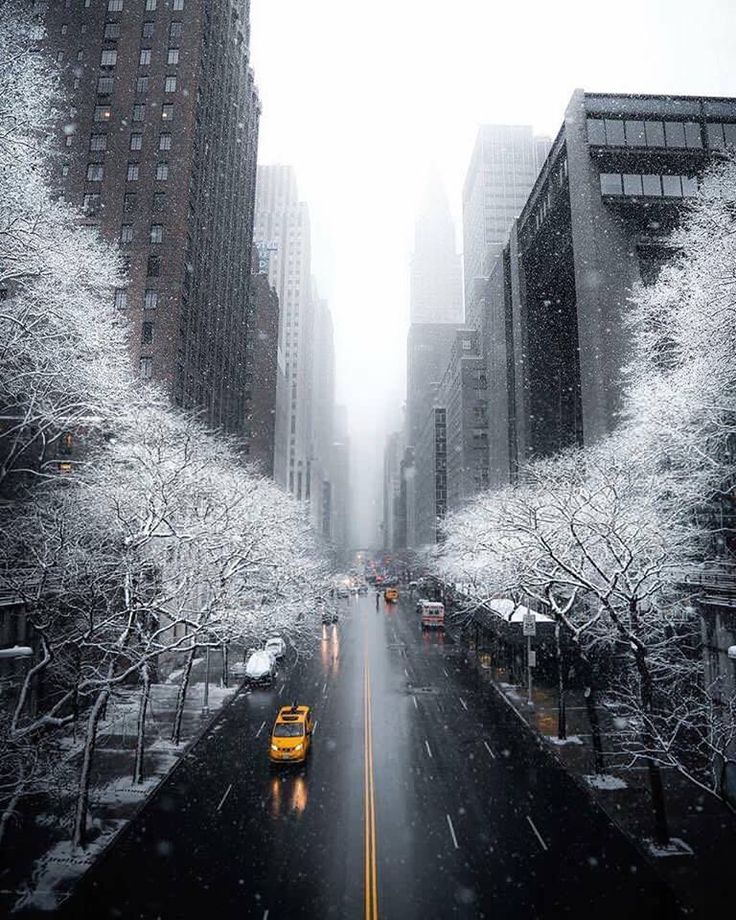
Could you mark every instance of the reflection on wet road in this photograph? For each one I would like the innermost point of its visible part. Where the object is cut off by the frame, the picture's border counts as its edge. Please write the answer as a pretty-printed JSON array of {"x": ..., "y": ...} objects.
[{"x": 422, "y": 798}]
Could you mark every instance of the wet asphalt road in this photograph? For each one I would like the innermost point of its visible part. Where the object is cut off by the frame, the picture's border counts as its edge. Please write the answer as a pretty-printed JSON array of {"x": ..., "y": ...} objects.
[{"x": 471, "y": 820}]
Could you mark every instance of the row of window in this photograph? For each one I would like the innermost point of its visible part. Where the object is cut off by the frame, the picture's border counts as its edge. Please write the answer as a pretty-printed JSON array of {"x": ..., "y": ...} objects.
[
  {"x": 112, "y": 30},
  {"x": 116, "y": 6},
  {"x": 648, "y": 186},
  {"x": 150, "y": 299},
  {"x": 109, "y": 56},
  {"x": 106, "y": 85},
  {"x": 617, "y": 132}
]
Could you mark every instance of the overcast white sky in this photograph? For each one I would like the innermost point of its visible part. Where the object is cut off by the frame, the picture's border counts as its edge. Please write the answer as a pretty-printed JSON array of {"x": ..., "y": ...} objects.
[{"x": 363, "y": 98}]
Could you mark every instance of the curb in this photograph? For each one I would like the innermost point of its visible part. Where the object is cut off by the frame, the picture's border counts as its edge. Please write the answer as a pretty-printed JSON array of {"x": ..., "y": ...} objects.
[{"x": 66, "y": 897}]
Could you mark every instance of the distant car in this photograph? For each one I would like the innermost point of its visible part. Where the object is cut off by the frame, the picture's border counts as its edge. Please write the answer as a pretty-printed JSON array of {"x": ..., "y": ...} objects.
[
  {"x": 391, "y": 595},
  {"x": 261, "y": 667},
  {"x": 433, "y": 615},
  {"x": 329, "y": 617},
  {"x": 413, "y": 585},
  {"x": 343, "y": 592},
  {"x": 362, "y": 589},
  {"x": 275, "y": 646}
]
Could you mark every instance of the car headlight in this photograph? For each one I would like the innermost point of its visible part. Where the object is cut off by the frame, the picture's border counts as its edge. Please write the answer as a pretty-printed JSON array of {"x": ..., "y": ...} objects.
[
  {"x": 274, "y": 747},
  {"x": 298, "y": 747}
]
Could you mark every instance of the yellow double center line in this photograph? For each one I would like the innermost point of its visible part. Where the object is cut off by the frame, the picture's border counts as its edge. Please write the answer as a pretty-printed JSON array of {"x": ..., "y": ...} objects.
[{"x": 369, "y": 812}]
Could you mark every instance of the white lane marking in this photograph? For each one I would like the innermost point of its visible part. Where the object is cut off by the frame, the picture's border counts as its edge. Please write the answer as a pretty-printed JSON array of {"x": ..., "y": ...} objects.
[
  {"x": 414, "y": 700},
  {"x": 324, "y": 688},
  {"x": 429, "y": 749},
  {"x": 406, "y": 672},
  {"x": 314, "y": 727},
  {"x": 452, "y": 832},
  {"x": 227, "y": 793},
  {"x": 445, "y": 672},
  {"x": 263, "y": 725},
  {"x": 265, "y": 914},
  {"x": 536, "y": 832},
  {"x": 489, "y": 750},
  {"x": 463, "y": 703},
  {"x": 281, "y": 689}
]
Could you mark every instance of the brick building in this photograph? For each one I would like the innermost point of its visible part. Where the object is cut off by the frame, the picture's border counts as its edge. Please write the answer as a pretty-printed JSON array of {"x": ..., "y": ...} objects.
[{"x": 158, "y": 146}]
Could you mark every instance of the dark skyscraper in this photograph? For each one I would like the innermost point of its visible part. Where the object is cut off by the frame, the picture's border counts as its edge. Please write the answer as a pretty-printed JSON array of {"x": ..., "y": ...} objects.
[{"x": 159, "y": 142}]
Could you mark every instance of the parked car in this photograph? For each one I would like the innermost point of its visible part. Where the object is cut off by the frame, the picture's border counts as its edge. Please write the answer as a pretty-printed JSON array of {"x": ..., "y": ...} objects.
[
  {"x": 261, "y": 667},
  {"x": 275, "y": 646}
]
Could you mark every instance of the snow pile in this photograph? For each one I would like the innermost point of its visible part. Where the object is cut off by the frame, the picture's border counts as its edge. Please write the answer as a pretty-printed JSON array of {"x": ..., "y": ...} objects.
[{"x": 605, "y": 781}]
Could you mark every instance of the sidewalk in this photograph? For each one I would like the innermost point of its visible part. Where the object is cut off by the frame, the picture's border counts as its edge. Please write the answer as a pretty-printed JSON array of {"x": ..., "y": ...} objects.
[
  {"x": 704, "y": 831},
  {"x": 40, "y": 867}
]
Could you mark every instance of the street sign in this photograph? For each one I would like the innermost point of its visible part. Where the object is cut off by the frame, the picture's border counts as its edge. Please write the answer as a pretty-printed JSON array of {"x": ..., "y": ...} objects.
[
  {"x": 529, "y": 624},
  {"x": 532, "y": 658}
]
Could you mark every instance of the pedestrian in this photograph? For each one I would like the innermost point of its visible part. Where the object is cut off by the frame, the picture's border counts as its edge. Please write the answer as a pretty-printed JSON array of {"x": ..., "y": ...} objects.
[{"x": 378, "y": 595}]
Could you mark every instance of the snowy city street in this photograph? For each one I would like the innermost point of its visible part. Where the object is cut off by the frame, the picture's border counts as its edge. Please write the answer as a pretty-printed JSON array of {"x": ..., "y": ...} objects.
[
  {"x": 469, "y": 814},
  {"x": 367, "y": 460}
]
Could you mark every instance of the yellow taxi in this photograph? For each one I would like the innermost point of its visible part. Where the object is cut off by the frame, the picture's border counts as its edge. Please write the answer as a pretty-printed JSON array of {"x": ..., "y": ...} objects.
[
  {"x": 291, "y": 737},
  {"x": 391, "y": 595}
]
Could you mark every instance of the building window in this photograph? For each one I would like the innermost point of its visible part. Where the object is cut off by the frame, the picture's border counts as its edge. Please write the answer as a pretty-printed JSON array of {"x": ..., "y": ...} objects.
[
  {"x": 157, "y": 233},
  {"x": 126, "y": 233},
  {"x": 133, "y": 172},
  {"x": 129, "y": 201},
  {"x": 145, "y": 57},
  {"x": 164, "y": 142},
  {"x": 95, "y": 172},
  {"x": 177, "y": 6},
  {"x": 68, "y": 140},
  {"x": 64, "y": 29},
  {"x": 652, "y": 186},
  {"x": 65, "y": 170},
  {"x": 611, "y": 184},
  {"x": 102, "y": 113},
  {"x": 674, "y": 134},
  {"x": 170, "y": 85},
  {"x": 159, "y": 199},
  {"x": 98, "y": 142},
  {"x": 167, "y": 111},
  {"x": 635, "y": 134},
  {"x": 150, "y": 5},
  {"x": 91, "y": 204},
  {"x": 105, "y": 85},
  {"x": 113, "y": 6},
  {"x": 173, "y": 56},
  {"x": 108, "y": 58},
  {"x": 154, "y": 266},
  {"x": 136, "y": 141},
  {"x": 112, "y": 30},
  {"x": 596, "y": 131},
  {"x": 121, "y": 298},
  {"x": 147, "y": 334},
  {"x": 151, "y": 300},
  {"x": 147, "y": 30},
  {"x": 175, "y": 30},
  {"x": 655, "y": 133},
  {"x": 632, "y": 184},
  {"x": 145, "y": 367},
  {"x": 162, "y": 171},
  {"x": 615, "y": 132},
  {"x": 141, "y": 85},
  {"x": 671, "y": 187}
]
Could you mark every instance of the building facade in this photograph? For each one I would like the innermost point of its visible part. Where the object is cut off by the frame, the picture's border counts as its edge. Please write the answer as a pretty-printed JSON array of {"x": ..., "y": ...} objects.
[
  {"x": 435, "y": 275},
  {"x": 262, "y": 375},
  {"x": 503, "y": 166},
  {"x": 158, "y": 146},
  {"x": 282, "y": 229},
  {"x": 596, "y": 223}
]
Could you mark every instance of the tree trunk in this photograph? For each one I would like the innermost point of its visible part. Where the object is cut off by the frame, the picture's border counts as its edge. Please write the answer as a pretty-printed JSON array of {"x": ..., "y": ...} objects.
[
  {"x": 561, "y": 702},
  {"x": 225, "y": 663},
  {"x": 656, "y": 788},
  {"x": 140, "y": 744},
  {"x": 93, "y": 720},
  {"x": 182, "y": 696},
  {"x": 9, "y": 809}
]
